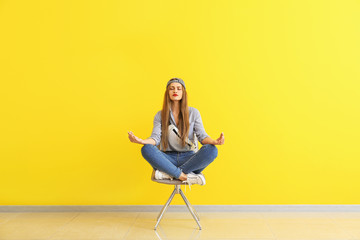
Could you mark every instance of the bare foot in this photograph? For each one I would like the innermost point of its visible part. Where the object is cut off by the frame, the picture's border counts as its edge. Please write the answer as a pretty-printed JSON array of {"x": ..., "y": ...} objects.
[{"x": 183, "y": 176}]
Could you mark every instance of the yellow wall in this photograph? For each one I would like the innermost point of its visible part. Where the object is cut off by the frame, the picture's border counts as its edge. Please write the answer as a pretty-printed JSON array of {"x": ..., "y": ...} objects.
[{"x": 279, "y": 78}]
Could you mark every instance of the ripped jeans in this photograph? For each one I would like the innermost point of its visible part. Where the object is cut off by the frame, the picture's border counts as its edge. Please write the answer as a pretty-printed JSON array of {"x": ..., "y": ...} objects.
[{"x": 173, "y": 162}]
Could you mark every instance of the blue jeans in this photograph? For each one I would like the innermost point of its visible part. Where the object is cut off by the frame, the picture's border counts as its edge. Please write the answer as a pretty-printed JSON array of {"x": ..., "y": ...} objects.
[{"x": 173, "y": 163}]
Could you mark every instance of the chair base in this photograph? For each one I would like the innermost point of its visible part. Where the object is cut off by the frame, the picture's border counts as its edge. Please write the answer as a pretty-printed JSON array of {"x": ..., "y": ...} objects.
[{"x": 178, "y": 190}]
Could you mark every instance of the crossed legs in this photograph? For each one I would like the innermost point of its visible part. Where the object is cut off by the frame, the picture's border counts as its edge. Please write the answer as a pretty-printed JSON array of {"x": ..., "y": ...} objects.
[{"x": 163, "y": 162}]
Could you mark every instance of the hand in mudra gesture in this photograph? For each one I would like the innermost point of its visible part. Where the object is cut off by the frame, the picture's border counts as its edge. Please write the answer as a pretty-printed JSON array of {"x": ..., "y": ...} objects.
[
  {"x": 134, "y": 138},
  {"x": 220, "y": 140}
]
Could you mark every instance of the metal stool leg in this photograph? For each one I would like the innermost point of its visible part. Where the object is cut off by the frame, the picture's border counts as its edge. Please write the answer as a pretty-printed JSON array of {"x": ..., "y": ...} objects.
[
  {"x": 161, "y": 214},
  {"x": 178, "y": 190},
  {"x": 190, "y": 209},
  {"x": 193, "y": 209}
]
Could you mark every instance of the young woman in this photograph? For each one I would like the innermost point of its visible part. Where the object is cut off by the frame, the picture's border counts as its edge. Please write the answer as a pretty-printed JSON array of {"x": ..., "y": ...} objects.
[{"x": 177, "y": 128}]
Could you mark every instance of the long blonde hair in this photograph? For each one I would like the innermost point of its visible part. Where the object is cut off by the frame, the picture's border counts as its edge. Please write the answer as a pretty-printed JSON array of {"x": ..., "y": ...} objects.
[{"x": 183, "y": 125}]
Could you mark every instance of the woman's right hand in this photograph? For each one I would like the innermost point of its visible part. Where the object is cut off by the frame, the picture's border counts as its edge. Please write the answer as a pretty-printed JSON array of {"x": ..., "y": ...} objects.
[{"x": 134, "y": 138}]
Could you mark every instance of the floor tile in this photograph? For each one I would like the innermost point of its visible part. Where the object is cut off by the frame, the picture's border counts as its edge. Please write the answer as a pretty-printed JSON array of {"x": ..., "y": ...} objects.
[
  {"x": 179, "y": 225},
  {"x": 97, "y": 225},
  {"x": 38, "y": 225}
]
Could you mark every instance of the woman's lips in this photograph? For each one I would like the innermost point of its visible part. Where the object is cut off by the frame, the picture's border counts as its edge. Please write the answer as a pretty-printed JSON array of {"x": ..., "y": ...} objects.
[{"x": 175, "y": 95}]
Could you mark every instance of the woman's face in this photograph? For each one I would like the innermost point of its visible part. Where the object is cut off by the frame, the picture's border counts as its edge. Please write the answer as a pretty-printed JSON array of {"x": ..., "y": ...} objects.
[{"x": 175, "y": 91}]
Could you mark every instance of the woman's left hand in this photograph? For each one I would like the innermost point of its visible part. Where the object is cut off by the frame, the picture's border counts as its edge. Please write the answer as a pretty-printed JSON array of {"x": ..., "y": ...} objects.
[{"x": 220, "y": 140}]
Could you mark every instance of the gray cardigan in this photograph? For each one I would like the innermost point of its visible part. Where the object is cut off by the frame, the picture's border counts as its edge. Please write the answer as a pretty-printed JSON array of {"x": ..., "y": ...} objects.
[{"x": 196, "y": 131}]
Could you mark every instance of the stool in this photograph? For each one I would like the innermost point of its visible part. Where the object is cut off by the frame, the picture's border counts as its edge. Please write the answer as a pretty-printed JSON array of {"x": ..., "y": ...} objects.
[{"x": 177, "y": 183}]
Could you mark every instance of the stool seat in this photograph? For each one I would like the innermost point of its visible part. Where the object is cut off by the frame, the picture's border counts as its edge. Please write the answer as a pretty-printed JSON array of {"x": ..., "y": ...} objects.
[
  {"x": 166, "y": 181},
  {"x": 177, "y": 183}
]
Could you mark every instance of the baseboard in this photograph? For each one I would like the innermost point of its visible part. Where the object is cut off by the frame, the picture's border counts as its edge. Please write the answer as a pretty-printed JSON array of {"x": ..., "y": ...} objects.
[{"x": 181, "y": 208}]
